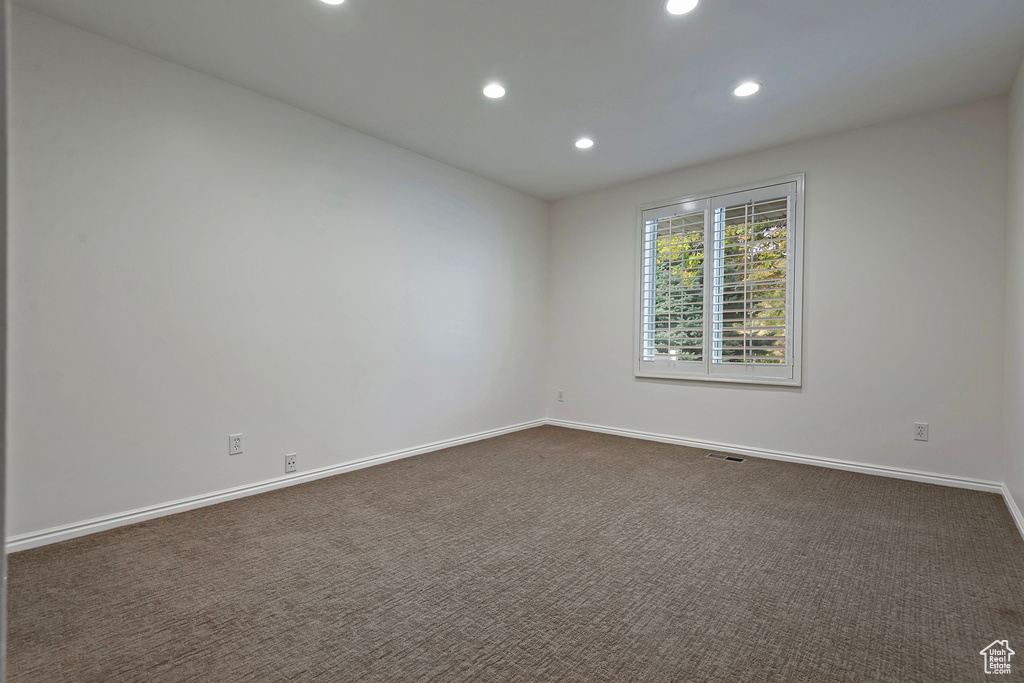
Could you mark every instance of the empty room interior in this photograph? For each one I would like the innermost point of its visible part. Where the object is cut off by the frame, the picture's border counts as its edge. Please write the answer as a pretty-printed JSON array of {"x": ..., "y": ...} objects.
[{"x": 555, "y": 340}]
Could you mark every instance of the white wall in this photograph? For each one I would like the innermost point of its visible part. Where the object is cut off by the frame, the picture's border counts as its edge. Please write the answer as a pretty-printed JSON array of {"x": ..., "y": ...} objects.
[
  {"x": 1014, "y": 474},
  {"x": 4, "y": 12},
  {"x": 903, "y": 301},
  {"x": 191, "y": 259}
]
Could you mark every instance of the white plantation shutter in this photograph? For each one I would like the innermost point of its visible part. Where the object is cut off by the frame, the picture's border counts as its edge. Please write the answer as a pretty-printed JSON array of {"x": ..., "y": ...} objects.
[
  {"x": 673, "y": 296},
  {"x": 720, "y": 287}
]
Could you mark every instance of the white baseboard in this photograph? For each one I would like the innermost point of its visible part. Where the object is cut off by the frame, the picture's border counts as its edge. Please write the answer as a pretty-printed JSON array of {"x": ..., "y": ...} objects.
[
  {"x": 1015, "y": 512},
  {"x": 880, "y": 470},
  {"x": 64, "y": 532}
]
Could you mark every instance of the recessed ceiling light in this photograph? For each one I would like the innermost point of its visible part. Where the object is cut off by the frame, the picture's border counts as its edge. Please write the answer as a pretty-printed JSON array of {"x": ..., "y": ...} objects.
[
  {"x": 332, "y": 2},
  {"x": 584, "y": 143},
  {"x": 494, "y": 91},
  {"x": 746, "y": 89},
  {"x": 680, "y": 6}
]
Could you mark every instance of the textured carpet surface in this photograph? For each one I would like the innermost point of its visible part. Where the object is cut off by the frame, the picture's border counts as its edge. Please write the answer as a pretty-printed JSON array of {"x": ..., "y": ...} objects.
[{"x": 544, "y": 555}]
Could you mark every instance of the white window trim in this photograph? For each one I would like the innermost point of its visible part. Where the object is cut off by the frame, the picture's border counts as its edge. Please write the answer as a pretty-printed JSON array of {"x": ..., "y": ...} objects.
[{"x": 700, "y": 370}]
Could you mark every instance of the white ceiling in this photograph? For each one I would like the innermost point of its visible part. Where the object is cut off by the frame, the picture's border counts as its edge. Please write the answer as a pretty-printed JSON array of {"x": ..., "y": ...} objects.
[{"x": 652, "y": 89}]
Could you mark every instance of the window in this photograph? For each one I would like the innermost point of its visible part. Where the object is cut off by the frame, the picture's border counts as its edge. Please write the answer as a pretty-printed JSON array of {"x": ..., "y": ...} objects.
[{"x": 719, "y": 286}]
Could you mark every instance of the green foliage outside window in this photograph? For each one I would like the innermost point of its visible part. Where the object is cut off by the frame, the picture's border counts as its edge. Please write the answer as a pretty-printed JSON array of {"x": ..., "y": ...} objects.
[{"x": 749, "y": 284}]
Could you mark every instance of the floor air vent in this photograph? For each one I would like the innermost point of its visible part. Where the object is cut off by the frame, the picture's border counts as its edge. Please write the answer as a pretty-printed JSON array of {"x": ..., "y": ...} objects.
[{"x": 730, "y": 458}]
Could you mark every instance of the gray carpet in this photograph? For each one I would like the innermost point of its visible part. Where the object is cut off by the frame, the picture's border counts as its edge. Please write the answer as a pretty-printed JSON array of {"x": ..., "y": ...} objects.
[{"x": 544, "y": 555}]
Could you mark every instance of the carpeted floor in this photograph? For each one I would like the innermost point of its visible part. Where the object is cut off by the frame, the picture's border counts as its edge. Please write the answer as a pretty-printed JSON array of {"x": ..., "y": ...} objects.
[{"x": 544, "y": 555}]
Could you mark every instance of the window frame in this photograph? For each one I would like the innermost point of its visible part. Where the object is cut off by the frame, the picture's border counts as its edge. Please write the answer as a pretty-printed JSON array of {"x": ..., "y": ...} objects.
[{"x": 702, "y": 370}]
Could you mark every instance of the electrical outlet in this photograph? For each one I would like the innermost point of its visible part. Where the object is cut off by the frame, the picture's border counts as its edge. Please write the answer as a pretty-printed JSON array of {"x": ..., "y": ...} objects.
[
  {"x": 920, "y": 431},
  {"x": 561, "y": 396},
  {"x": 234, "y": 444},
  {"x": 289, "y": 463}
]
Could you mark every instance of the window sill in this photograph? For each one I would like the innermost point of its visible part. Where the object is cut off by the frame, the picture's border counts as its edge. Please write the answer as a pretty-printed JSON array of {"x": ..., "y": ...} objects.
[{"x": 734, "y": 379}]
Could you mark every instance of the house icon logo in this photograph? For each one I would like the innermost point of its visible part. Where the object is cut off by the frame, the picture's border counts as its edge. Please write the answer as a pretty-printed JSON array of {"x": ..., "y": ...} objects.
[{"x": 997, "y": 657}]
